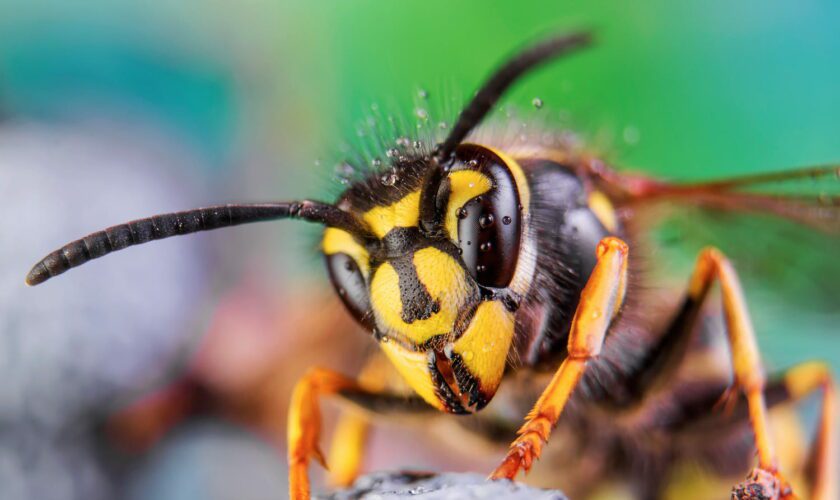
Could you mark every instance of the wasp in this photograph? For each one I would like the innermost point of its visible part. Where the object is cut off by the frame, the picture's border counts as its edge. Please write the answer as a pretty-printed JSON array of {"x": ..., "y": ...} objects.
[{"x": 490, "y": 272}]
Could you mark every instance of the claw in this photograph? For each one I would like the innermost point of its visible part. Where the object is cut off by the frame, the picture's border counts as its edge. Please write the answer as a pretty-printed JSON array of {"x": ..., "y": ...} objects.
[
  {"x": 318, "y": 455},
  {"x": 520, "y": 456}
]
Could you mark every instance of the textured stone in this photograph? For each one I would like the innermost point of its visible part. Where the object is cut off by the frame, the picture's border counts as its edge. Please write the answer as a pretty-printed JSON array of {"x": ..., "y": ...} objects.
[{"x": 429, "y": 486}]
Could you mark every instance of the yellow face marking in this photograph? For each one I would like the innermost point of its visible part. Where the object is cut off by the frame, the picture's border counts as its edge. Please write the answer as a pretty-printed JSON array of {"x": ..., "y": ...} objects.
[
  {"x": 445, "y": 282},
  {"x": 443, "y": 276},
  {"x": 414, "y": 368},
  {"x": 464, "y": 186},
  {"x": 339, "y": 241},
  {"x": 604, "y": 210},
  {"x": 484, "y": 345},
  {"x": 403, "y": 213}
]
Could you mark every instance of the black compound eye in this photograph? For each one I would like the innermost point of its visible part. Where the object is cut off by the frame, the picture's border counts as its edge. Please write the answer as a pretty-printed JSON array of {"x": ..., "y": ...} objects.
[
  {"x": 349, "y": 282},
  {"x": 489, "y": 226}
]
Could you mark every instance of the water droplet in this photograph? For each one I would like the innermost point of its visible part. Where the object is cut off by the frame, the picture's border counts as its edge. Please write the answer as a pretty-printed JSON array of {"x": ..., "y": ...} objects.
[
  {"x": 423, "y": 94},
  {"x": 421, "y": 113},
  {"x": 631, "y": 135},
  {"x": 376, "y": 162},
  {"x": 417, "y": 144},
  {"x": 506, "y": 220},
  {"x": 403, "y": 142},
  {"x": 392, "y": 152},
  {"x": 443, "y": 125},
  {"x": 344, "y": 169},
  {"x": 472, "y": 163},
  {"x": 486, "y": 221},
  {"x": 462, "y": 213},
  {"x": 480, "y": 269},
  {"x": 548, "y": 138},
  {"x": 537, "y": 102},
  {"x": 389, "y": 179},
  {"x": 385, "y": 339},
  {"x": 342, "y": 292},
  {"x": 486, "y": 246},
  {"x": 460, "y": 252}
]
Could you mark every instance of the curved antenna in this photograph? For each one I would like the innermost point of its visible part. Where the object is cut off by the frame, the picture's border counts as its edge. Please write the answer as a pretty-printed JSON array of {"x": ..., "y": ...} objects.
[
  {"x": 486, "y": 97},
  {"x": 140, "y": 231},
  {"x": 493, "y": 89}
]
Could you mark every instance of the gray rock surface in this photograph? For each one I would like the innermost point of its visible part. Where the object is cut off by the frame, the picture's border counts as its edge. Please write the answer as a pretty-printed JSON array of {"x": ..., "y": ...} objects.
[{"x": 430, "y": 486}]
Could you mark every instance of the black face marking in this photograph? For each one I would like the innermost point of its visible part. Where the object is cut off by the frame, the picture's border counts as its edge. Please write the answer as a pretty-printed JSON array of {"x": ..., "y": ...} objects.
[
  {"x": 417, "y": 304},
  {"x": 400, "y": 241},
  {"x": 489, "y": 226},
  {"x": 398, "y": 248}
]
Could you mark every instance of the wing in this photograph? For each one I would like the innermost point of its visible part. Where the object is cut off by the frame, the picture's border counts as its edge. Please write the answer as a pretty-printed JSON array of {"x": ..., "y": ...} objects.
[
  {"x": 782, "y": 230},
  {"x": 809, "y": 196}
]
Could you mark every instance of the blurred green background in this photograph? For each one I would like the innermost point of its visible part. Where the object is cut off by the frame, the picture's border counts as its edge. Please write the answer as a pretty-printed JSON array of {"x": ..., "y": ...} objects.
[
  {"x": 684, "y": 90},
  {"x": 262, "y": 95}
]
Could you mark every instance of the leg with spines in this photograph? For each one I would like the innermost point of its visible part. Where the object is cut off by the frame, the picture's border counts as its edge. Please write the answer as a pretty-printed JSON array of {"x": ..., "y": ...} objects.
[{"x": 600, "y": 301}]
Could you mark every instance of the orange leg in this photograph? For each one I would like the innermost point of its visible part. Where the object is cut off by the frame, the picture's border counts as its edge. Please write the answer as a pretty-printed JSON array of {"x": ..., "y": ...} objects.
[
  {"x": 748, "y": 372},
  {"x": 304, "y": 426},
  {"x": 600, "y": 300}
]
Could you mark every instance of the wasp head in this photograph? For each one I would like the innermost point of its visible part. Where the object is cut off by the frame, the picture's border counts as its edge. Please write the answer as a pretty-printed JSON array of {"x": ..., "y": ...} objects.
[{"x": 440, "y": 278}]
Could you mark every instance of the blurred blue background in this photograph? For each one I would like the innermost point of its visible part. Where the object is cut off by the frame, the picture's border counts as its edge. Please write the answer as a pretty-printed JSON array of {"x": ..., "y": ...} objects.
[{"x": 116, "y": 110}]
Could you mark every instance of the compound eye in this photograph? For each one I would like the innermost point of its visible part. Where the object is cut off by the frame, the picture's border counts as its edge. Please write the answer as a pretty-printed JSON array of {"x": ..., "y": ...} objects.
[
  {"x": 349, "y": 282},
  {"x": 489, "y": 226}
]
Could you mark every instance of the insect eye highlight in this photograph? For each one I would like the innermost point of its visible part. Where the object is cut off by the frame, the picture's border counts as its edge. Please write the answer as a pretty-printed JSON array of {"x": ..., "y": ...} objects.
[
  {"x": 349, "y": 282},
  {"x": 489, "y": 225}
]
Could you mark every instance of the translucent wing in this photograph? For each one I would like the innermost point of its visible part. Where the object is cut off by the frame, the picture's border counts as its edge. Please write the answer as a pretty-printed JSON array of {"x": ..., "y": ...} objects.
[
  {"x": 782, "y": 230},
  {"x": 809, "y": 196}
]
